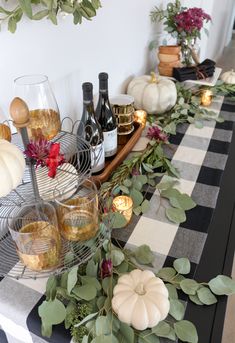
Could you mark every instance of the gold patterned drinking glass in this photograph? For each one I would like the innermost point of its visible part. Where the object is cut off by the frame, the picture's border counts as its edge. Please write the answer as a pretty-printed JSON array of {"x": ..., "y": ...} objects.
[
  {"x": 34, "y": 230},
  {"x": 77, "y": 211},
  {"x": 44, "y": 117}
]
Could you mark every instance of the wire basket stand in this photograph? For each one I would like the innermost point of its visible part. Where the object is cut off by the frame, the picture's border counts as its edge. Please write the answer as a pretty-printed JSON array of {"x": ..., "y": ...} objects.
[{"x": 36, "y": 185}]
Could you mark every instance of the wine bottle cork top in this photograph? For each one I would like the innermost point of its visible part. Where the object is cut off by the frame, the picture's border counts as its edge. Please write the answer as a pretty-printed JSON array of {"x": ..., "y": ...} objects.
[{"x": 19, "y": 112}]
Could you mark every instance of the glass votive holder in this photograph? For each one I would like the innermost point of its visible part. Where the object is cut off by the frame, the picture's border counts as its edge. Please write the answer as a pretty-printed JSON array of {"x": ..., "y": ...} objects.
[
  {"x": 124, "y": 205},
  {"x": 140, "y": 116},
  {"x": 34, "y": 230},
  {"x": 206, "y": 97},
  {"x": 77, "y": 211}
]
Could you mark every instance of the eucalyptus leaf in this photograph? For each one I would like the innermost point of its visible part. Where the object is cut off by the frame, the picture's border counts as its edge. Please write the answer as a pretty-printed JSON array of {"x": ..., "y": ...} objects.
[
  {"x": 102, "y": 326},
  {"x": 137, "y": 197},
  {"x": 106, "y": 285},
  {"x": 148, "y": 168},
  {"x": 143, "y": 254},
  {"x": 137, "y": 185},
  {"x": 172, "y": 169},
  {"x": 116, "y": 256},
  {"x": 186, "y": 331},
  {"x": 127, "y": 333},
  {"x": 71, "y": 308},
  {"x": 40, "y": 15},
  {"x": 127, "y": 183},
  {"x": 89, "y": 280},
  {"x": 100, "y": 301},
  {"x": 173, "y": 294},
  {"x": 147, "y": 337},
  {"x": 163, "y": 329},
  {"x": 52, "y": 283},
  {"x": 206, "y": 296},
  {"x": 52, "y": 312},
  {"x": 86, "y": 319},
  {"x": 145, "y": 206},
  {"x": 182, "y": 265},
  {"x": 92, "y": 268},
  {"x": 176, "y": 215},
  {"x": 122, "y": 268},
  {"x": 222, "y": 285},
  {"x": 12, "y": 24},
  {"x": 142, "y": 178},
  {"x": 72, "y": 278},
  {"x": 87, "y": 292},
  {"x": 26, "y": 7},
  {"x": 195, "y": 299},
  {"x": 177, "y": 309},
  {"x": 189, "y": 286},
  {"x": 182, "y": 201},
  {"x": 118, "y": 220},
  {"x": 166, "y": 273}
]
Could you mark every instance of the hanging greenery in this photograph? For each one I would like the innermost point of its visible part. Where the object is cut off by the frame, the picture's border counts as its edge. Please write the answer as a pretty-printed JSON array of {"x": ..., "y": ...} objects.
[{"x": 50, "y": 9}]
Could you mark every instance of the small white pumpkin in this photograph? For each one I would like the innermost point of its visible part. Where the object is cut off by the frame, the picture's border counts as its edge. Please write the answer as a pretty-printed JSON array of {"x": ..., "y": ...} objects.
[
  {"x": 228, "y": 77},
  {"x": 140, "y": 299},
  {"x": 12, "y": 166},
  {"x": 154, "y": 94}
]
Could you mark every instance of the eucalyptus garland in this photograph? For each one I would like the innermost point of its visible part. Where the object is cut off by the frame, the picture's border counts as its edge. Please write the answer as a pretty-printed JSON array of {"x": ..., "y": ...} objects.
[
  {"x": 50, "y": 9},
  {"x": 82, "y": 298}
]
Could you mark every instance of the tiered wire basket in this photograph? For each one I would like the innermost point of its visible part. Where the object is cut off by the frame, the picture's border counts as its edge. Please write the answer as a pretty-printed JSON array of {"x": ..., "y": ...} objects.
[{"x": 36, "y": 185}]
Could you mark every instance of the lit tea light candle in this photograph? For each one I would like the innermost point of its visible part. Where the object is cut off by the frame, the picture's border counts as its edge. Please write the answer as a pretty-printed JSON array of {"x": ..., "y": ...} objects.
[
  {"x": 140, "y": 116},
  {"x": 206, "y": 97},
  {"x": 124, "y": 205}
]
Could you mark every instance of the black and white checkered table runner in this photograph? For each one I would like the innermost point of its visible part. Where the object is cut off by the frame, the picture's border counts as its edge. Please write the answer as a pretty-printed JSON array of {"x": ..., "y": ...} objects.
[{"x": 200, "y": 156}]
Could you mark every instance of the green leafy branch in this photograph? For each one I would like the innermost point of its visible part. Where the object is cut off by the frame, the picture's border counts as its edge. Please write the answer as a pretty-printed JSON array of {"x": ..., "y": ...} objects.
[
  {"x": 82, "y": 300},
  {"x": 186, "y": 110},
  {"x": 49, "y": 9}
]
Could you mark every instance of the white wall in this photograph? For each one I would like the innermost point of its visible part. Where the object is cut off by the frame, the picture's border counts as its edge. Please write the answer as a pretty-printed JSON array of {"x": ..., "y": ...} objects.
[{"x": 115, "y": 41}]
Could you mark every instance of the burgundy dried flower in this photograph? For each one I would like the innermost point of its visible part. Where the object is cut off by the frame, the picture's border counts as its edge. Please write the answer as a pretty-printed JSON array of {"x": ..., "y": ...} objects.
[
  {"x": 155, "y": 132},
  {"x": 38, "y": 150},
  {"x": 135, "y": 172},
  {"x": 191, "y": 20},
  {"x": 106, "y": 268}
]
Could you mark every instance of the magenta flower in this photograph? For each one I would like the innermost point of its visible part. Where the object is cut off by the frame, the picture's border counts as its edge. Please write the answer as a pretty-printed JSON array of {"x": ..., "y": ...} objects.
[
  {"x": 106, "y": 268},
  {"x": 191, "y": 20},
  {"x": 155, "y": 132},
  {"x": 38, "y": 150}
]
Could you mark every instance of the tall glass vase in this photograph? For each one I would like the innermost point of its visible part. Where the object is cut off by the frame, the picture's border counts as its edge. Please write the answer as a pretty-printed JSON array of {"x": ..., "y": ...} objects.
[
  {"x": 187, "y": 51},
  {"x": 44, "y": 114}
]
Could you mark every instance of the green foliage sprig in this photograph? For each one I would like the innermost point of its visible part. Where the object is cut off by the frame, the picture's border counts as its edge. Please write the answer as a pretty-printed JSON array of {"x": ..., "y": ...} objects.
[
  {"x": 82, "y": 299},
  {"x": 50, "y": 9},
  {"x": 187, "y": 110}
]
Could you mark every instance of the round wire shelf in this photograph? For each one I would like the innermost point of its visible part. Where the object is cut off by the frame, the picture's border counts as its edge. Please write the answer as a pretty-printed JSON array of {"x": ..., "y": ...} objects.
[
  {"x": 77, "y": 168},
  {"x": 71, "y": 253}
]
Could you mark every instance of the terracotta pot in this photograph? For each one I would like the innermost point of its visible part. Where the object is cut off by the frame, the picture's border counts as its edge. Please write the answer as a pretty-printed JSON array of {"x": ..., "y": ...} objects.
[
  {"x": 165, "y": 58},
  {"x": 169, "y": 49}
]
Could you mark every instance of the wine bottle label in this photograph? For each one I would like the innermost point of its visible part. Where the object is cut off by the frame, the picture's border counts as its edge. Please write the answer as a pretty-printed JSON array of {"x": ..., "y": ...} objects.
[
  {"x": 110, "y": 142},
  {"x": 97, "y": 158}
]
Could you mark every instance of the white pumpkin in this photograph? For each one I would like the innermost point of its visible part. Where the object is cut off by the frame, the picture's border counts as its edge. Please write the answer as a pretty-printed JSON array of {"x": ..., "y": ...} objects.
[
  {"x": 140, "y": 299},
  {"x": 228, "y": 77},
  {"x": 12, "y": 166},
  {"x": 153, "y": 94}
]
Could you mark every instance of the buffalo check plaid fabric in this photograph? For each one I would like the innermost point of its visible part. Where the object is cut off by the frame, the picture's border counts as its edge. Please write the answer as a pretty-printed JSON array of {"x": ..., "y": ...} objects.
[{"x": 200, "y": 155}]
